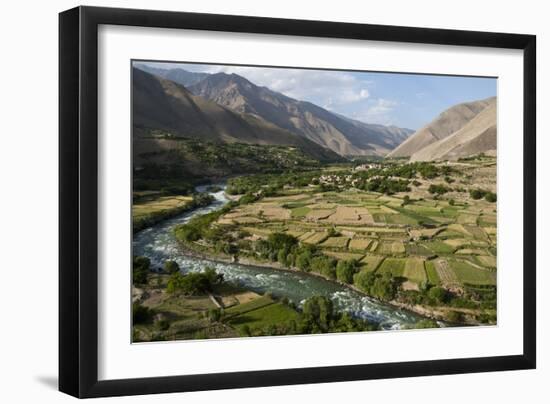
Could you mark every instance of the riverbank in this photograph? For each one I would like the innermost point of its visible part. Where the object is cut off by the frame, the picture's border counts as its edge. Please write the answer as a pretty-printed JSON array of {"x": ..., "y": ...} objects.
[{"x": 436, "y": 314}]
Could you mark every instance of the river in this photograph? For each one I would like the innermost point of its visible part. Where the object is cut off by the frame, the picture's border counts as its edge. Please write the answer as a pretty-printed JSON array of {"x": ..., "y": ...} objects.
[{"x": 159, "y": 244}]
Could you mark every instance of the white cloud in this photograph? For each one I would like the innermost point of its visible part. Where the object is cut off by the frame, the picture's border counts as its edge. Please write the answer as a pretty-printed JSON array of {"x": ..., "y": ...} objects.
[
  {"x": 378, "y": 111},
  {"x": 330, "y": 89}
]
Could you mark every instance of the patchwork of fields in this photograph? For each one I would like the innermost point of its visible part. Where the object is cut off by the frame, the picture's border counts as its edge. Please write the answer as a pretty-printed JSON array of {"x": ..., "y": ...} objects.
[{"x": 447, "y": 241}]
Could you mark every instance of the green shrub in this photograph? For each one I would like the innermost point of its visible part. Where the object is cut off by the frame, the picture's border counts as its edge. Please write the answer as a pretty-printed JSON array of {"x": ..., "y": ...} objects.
[
  {"x": 491, "y": 197},
  {"x": 171, "y": 267},
  {"x": 476, "y": 193},
  {"x": 438, "y": 294},
  {"x": 140, "y": 269}
]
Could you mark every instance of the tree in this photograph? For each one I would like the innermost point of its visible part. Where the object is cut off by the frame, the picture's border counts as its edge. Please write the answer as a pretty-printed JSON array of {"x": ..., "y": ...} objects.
[
  {"x": 345, "y": 270},
  {"x": 302, "y": 260},
  {"x": 438, "y": 294},
  {"x": 195, "y": 283},
  {"x": 384, "y": 287},
  {"x": 140, "y": 269},
  {"x": 491, "y": 197},
  {"x": 171, "y": 267},
  {"x": 364, "y": 280},
  {"x": 214, "y": 278},
  {"x": 323, "y": 265},
  {"x": 438, "y": 189},
  {"x": 280, "y": 241},
  {"x": 318, "y": 312},
  {"x": 282, "y": 257},
  {"x": 476, "y": 194}
]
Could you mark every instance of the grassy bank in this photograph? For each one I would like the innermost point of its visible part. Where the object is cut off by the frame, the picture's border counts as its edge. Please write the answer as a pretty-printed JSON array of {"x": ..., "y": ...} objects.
[{"x": 151, "y": 207}]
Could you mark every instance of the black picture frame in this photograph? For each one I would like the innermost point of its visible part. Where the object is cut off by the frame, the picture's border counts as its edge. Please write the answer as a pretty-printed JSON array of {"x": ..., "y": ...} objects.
[{"x": 78, "y": 201}]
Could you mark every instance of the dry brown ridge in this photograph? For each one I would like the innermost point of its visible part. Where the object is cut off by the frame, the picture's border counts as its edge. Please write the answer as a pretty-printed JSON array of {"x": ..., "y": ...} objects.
[{"x": 463, "y": 130}]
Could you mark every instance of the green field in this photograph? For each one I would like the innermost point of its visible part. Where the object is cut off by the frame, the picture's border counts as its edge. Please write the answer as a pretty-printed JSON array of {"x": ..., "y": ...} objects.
[
  {"x": 395, "y": 266},
  {"x": 414, "y": 270},
  {"x": 371, "y": 262},
  {"x": 468, "y": 274},
  {"x": 431, "y": 273},
  {"x": 274, "y": 314},
  {"x": 246, "y": 307}
]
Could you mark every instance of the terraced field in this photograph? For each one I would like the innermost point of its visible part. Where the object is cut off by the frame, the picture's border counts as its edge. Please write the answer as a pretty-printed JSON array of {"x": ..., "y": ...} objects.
[
  {"x": 448, "y": 241},
  {"x": 395, "y": 266},
  {"x": 156, "y": 205},
  {"x": 414, "y": 270},
  {"x": 150, "y": 207}
]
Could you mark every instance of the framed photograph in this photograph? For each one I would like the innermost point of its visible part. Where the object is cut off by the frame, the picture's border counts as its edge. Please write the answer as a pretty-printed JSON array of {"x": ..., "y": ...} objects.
[{"x": 251, "y": 202}]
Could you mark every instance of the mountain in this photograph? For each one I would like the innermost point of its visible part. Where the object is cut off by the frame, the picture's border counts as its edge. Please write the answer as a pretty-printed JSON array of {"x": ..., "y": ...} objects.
[
  {"x": 180, "y": 76},
  {"x": 476, "y": 136},
  {"x": 445, "y": 125},
  {"x": 163, "y": 105},
  {"x": 345, "y": 136}
]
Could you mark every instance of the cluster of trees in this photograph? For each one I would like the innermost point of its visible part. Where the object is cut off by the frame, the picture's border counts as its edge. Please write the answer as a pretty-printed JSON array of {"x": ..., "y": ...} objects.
[
  {"x": 479, "y": 156},
  {"x": 269, "y": 184},
  {"x": 382, "y": 180},
  {"x": 285, "y": 249},
  {"x": 381, "y": 286},
  {"x": 317, "y": 316},
  {"x": 384, "y": 185},
  {"x": 194, "y": 283},
  {"x": 438, "y": 189},
  {"x": 410, "y": 171},
  {"x": 480, "y": 193}
]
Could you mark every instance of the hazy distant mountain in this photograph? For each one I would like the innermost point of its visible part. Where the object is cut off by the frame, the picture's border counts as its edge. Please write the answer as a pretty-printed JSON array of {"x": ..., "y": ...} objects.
[
  {"x": 343, "y": 135},
  {"x": 476, "y": 136},
  {"x": 160, "y": 104},
  {"x": 180, "y": 76},
  {"x": 458, "y": 120}
]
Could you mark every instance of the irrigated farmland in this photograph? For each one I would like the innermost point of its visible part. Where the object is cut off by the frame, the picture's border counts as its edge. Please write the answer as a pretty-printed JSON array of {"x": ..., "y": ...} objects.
[{"x": 439, "y": 237}]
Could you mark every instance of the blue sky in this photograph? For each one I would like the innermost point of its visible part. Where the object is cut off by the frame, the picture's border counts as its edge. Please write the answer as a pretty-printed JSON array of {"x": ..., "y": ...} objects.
[{"x": 405, "y": 100}]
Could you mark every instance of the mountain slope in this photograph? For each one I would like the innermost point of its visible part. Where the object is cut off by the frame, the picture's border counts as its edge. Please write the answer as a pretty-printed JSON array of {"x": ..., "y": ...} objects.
[
  {"x": 180, "y": 76},
  {"x": 160, "y": 104},
  {"x": 447, "y": 123},
  {"x": 478, "y": 135},
  {"x": 343, "y": 135}
]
